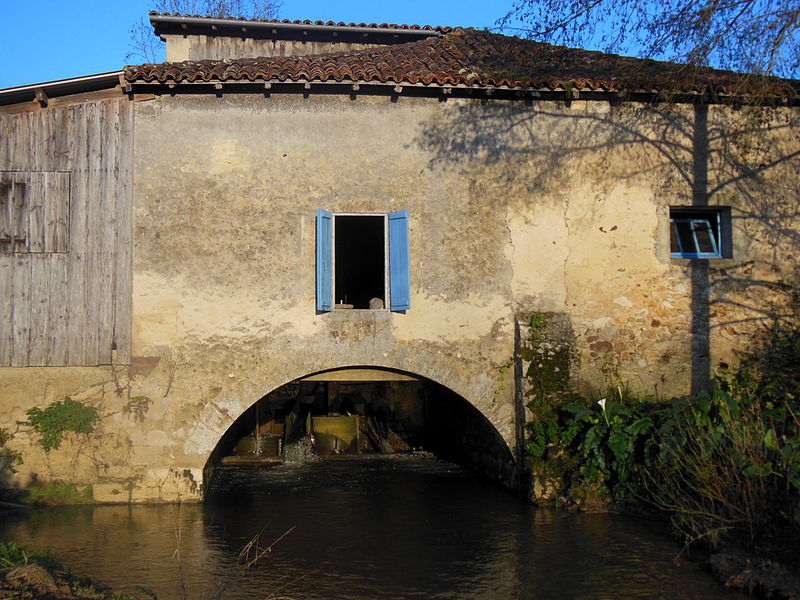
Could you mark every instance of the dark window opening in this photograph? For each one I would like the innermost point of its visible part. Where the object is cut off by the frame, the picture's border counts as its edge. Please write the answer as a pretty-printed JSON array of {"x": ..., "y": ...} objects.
[
  {"x": 700, "y": 233},
  {"x": 13, "y": 213},
  {"x": 359, "y": 259}
]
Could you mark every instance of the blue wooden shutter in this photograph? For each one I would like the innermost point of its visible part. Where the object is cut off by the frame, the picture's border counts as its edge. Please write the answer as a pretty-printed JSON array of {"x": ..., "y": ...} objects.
[
  {"x": 399, "y": 272},
  {"x": 324, "y": 260}
]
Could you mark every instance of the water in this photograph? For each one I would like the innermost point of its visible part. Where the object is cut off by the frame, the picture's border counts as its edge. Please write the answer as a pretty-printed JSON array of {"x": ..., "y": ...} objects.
[{"x": 368, "y": 529}]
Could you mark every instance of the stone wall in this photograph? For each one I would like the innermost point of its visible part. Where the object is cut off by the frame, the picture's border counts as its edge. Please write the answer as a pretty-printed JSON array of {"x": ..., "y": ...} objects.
[
  {"x": 203, "y": 47},
  {"x": 224, "y": 255},
  {"x": 555, "y": 208},
  {"x": 125, "y": 458}
]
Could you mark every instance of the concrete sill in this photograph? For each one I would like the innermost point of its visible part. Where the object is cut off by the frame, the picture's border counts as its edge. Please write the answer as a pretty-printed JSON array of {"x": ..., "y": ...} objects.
[{"x": 361, "y": 314}]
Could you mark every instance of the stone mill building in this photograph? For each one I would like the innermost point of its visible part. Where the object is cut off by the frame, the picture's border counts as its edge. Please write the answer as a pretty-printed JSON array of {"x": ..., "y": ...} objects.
[{"x": 288, "y": 221}]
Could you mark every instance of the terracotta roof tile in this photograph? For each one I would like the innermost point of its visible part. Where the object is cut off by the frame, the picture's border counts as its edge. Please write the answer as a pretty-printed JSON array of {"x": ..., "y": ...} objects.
[
  {"x": 314, "y": 23},
  {"x": 462, "y": 57}
]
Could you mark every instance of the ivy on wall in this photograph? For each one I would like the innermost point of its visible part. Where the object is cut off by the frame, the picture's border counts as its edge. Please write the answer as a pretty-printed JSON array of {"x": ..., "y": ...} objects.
[{"x": 60, "y": 417}]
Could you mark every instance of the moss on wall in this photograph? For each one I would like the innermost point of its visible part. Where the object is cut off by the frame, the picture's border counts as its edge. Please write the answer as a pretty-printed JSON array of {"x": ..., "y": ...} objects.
[
  {"x": 59, "y": 492},
  {"x": 550, "y": 359}
]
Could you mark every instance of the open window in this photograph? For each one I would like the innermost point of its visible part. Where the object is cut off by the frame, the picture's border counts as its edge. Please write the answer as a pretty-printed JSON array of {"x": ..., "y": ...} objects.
[
  {"x": 362, "y": 261},
  {"x": 700, "y": 232}
]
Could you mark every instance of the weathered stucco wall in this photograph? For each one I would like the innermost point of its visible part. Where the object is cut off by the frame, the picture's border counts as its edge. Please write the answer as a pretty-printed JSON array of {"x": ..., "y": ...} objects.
[
  {"x": 225, "y": 251},
  {"x": 203, "y": 47},
  {"x": 125, "y": 459},
  {"x": 587, "y": 189},
  {"x": 514, "y": 209}
]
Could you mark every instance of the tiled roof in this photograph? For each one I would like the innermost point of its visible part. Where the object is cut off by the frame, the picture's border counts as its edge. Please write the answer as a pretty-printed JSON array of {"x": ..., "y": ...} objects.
[
  {"x": 462, "y": 57},
  {"x": 313, "y": 23}
]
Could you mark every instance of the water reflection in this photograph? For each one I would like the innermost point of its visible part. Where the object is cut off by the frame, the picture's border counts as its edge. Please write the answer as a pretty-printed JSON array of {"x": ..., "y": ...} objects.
[{"x": 372, "y": 529}]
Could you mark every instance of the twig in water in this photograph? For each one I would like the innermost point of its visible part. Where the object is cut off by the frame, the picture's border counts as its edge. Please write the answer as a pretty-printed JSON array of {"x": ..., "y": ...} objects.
[
  {"x": 177, "y": 525},
  {"x": 259, "y": 552},
  {"x": 273, "y": 595}
]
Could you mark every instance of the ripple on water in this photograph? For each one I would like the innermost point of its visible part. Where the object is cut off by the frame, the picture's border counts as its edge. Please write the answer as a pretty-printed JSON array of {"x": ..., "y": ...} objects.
[{"x": 366, "y": 529}]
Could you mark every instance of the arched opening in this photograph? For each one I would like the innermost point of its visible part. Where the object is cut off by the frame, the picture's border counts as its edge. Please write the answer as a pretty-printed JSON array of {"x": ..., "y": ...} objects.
[{"x": 356, "y": 412}]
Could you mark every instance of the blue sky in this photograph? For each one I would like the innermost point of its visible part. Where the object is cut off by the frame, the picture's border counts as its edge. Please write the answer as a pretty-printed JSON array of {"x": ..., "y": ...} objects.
[{"x": 47, "y": 40}]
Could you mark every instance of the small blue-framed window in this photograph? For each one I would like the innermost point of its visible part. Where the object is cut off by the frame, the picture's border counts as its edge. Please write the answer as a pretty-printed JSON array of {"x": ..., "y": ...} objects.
[{"x": 699, "y": 232}]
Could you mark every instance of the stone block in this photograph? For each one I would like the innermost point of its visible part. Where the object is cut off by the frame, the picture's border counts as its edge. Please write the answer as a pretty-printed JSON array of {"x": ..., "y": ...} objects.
[
  {"x": 111, "y": 493},
  {"x": 147, "y": 455},
  {"x": 157, "y": 438}
]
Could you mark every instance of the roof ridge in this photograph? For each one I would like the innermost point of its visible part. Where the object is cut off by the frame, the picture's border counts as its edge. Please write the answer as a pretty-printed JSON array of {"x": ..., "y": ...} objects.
[{"x": 317, "y": 23}]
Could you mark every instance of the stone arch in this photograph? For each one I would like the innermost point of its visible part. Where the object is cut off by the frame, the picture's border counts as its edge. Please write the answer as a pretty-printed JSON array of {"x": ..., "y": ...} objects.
[{"x": 453, "y": 427}]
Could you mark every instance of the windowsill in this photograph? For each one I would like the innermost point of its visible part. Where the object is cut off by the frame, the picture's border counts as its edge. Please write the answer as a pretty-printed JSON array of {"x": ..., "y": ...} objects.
[
  {"x": 688, "y": 257},
  {"x": 360, "y": 314},
  {"x": 714, "y": 261}
]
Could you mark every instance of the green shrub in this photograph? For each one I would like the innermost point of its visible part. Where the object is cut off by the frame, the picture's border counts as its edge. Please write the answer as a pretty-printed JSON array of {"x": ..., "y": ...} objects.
[
  {"x": 723, "y": 472},
  {"x": 608, "y": 440},
  {"x": 14, "y": 555},
  {"x": 60, "y": 417},
  {"x": 58, "y": 492},
  {"x": 9, "y": 459},
  {"x": 721, "y": 466}
]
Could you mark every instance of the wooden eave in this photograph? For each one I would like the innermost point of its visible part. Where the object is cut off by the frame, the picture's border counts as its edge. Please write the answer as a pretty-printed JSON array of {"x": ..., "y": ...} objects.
[
  {"x": 399, "y": 89},
  {"x": 48, "y": 92},
  {"x": 184, "y": 25}
]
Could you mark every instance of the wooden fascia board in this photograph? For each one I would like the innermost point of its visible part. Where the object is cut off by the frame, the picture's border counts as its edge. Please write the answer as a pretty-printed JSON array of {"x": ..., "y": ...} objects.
[{"x": 303, "y": 86}]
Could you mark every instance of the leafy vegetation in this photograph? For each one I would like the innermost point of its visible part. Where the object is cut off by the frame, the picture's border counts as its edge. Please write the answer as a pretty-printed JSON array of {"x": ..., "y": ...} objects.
[
  {"x": 9, "y": 459},
  {"x": 722, "y": 467},
  {"x": 609, "y": 442},
  {"x": 58, "y": 492},
  {"x": 722, "y": 470},
  {"x": 28, "y": 573},
  {"x": 59, "y": 418},
  {"x": 14, "y": 555}
]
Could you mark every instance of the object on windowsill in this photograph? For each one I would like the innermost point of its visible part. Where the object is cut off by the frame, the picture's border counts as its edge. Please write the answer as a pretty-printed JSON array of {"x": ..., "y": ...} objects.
[
  {"x": 342, "y": 306},
  {"x": 375, "y": 304}
]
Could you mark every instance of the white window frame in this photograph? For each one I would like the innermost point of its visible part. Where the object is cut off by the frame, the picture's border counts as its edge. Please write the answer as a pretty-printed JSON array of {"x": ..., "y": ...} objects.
[
  {"x": 715, "y": 218},
  {"x": 386, "y": 285}
]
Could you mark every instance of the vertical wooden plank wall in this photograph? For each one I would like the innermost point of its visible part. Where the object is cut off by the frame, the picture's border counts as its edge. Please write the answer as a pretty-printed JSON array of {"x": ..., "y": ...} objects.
[
  {"x": 123, "y": 246},
  {"x": 68, "y": 301}
]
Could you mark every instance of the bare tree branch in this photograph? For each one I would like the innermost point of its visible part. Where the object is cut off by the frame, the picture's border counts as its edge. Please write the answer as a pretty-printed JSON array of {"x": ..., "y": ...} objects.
[
  {"x": 146, "y": 47},
  {"x": 751, "y": 36}
]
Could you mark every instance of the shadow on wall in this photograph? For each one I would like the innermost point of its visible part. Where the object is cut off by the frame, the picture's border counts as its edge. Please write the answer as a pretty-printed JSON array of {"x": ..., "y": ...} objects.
[
  {"x": 691, "y": 155},
  {"x": 9, "y": 460}
]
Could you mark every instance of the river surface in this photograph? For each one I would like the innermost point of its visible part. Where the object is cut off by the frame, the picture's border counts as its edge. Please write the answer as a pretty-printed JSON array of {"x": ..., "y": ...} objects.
[{"x": 364, "y": 529}]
